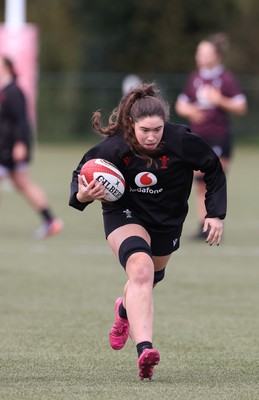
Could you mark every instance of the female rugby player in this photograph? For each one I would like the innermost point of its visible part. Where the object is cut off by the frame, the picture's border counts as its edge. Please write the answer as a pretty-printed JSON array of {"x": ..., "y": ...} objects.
[{"x": 143, "y": 228}]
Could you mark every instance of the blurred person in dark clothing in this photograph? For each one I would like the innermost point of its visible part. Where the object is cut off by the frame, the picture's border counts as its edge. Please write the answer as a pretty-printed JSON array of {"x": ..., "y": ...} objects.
[{"x": 15, "y": 149}]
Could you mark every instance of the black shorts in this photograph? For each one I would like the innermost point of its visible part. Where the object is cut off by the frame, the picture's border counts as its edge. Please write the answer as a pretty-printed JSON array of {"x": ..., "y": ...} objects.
[
  {"x": 162, "y": 243},
  {"x": 6, "y": 154},
  {"x": 223, "y": 147}
]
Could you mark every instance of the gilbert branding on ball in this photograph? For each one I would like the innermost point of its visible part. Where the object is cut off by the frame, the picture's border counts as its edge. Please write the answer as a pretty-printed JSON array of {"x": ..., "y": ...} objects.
[{"x": 107, "y": 173}]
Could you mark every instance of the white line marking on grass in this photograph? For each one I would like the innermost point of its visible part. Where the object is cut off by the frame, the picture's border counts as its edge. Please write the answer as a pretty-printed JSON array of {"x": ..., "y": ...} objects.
[
  {"x": 251, "y": 251},
  {"x": 248, "y": 251},
  {"x": 44, "y": 249},
  {"x": 76, "y": 249}
]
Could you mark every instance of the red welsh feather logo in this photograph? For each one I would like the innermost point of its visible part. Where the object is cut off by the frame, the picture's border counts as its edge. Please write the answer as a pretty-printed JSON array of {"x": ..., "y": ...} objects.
[
  {"x": 164, "y": 160},
  {"x": 126, "y": 160}
]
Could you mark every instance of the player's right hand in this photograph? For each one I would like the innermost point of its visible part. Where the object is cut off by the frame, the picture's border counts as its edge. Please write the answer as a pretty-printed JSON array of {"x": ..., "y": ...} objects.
[{"x": 93, "y": 191}]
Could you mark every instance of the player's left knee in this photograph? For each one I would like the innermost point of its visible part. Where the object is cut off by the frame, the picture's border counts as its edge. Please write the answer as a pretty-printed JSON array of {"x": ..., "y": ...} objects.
[{"x": 159, "y": 276}]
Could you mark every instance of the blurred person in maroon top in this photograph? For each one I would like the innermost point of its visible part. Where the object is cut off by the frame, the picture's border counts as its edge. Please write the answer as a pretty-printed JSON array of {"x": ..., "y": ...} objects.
[{"x": 211, "y": 93}]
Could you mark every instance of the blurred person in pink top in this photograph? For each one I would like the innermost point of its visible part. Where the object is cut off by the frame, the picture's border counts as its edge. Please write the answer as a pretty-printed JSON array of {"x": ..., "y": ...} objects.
[{"x": 211, "y": 93}]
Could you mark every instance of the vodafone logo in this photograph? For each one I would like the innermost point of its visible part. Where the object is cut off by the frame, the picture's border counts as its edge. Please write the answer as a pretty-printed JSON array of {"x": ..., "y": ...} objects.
[{"x": 145, "y": 179}]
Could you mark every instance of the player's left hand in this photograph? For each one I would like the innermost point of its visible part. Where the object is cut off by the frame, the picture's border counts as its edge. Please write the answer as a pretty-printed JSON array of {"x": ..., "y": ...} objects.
[{"x": 215, "y": 227}]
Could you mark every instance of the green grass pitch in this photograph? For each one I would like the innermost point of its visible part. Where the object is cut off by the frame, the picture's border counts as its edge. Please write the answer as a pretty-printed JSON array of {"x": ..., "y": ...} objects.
[{"x": 57, "y": 298}]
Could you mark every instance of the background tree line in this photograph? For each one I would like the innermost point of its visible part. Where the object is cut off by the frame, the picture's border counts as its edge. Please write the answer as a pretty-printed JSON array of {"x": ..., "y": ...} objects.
[
  {"x": 88, "y": 46},
  {"x": 142, "y": 36}
]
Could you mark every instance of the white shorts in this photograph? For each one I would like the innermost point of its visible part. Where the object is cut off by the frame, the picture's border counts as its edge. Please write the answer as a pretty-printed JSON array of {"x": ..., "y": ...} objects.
[{"x": 5, "y": 171}]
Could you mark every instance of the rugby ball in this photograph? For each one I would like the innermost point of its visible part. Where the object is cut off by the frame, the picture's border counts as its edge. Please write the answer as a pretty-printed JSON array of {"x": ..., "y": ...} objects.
[{"x": 107, "y": 173}]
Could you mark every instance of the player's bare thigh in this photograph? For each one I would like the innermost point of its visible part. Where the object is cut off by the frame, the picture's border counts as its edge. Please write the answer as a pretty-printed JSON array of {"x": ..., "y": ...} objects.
[
  {"x": 117, "y": 236},
  {"x": 123, "y": 232}
]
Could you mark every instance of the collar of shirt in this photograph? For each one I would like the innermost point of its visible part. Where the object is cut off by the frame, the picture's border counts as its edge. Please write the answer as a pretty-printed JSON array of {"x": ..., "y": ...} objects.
[{"x": 211, "y": 73}]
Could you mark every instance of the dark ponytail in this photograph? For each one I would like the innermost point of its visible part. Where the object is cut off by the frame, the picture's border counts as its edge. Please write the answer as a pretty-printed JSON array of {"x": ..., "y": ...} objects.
[
  {"x": 9, "y": 65},
  {"x": 220, "y": 41}
]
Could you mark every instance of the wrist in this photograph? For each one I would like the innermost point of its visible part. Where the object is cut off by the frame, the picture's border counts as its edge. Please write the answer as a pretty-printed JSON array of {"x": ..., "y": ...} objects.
[{"x": 79, "y": 198}]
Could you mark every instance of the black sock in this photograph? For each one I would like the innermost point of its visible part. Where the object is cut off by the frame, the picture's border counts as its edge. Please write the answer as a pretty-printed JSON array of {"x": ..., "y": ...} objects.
[
  {"x": 122, "y": 311},
  {"x": 143, "y": 345},
  {"x": 47, "y": 215}
]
